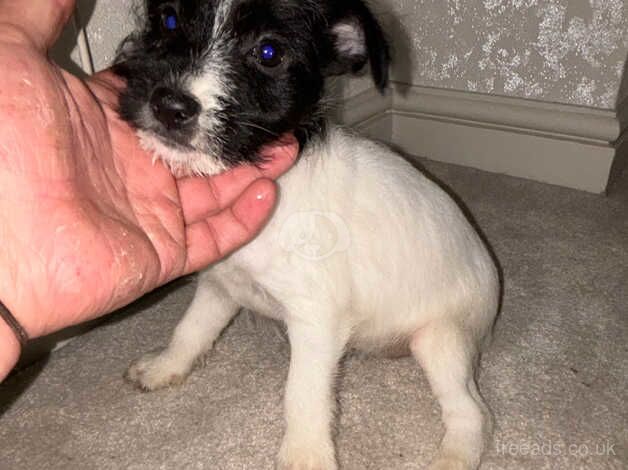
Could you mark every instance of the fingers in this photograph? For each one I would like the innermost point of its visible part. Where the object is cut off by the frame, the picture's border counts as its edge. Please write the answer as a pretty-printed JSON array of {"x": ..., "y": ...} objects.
[
  {"x": 201, "y": 197},
  {"x": 212, "y": 239},
  {"x": 40, "y": 22}
]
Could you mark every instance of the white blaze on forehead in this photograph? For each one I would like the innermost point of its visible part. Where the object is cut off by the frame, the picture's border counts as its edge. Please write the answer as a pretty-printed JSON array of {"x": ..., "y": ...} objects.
[
  {"x": 210, "y": 88},
  {"x": 209, "y": 82},
  {"x": 223, "y": 10},
  {"x": 209, "y": 85},
  {"x": 350, "y": 38}
]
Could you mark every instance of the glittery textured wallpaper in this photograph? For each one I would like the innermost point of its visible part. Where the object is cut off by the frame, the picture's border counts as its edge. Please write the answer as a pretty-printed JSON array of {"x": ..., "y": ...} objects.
[
  {"x": 569, "y": 51},
  {"x": 108, "y": 21}
]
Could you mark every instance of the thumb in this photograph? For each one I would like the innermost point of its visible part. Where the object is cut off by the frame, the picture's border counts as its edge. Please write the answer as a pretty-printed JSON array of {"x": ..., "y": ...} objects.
[
  {"x": 39, "y": 22},
  {"x": 217, "y": 236}
]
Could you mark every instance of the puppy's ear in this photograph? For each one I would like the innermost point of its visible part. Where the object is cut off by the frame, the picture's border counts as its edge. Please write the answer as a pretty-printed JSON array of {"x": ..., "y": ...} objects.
[{"x": 357, "y": 39}]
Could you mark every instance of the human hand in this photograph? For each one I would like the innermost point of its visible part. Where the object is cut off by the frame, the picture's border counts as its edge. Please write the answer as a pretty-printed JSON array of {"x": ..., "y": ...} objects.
[{"x": 87, "y": 222}]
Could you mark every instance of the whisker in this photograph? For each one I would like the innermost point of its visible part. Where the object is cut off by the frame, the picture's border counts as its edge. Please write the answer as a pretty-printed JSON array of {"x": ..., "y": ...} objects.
[{"x": 256, "y": 126}]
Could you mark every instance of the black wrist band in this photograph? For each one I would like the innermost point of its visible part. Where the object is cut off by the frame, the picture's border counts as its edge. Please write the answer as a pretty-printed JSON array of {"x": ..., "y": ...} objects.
[{"x": 10, "y": 320}]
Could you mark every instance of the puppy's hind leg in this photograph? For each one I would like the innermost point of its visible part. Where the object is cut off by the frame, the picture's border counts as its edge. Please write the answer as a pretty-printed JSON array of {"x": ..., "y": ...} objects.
[
  {"x": 210, "y": 312},
  {"x": 447, "y": 354}
]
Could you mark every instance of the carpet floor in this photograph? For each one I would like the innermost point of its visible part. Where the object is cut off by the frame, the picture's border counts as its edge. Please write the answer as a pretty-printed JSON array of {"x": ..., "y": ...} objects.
[{"x": 555, "y": 376}]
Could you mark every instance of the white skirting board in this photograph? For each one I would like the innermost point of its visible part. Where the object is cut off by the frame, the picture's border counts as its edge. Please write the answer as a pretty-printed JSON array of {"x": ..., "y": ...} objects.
[{"x": 560, "y": 144}]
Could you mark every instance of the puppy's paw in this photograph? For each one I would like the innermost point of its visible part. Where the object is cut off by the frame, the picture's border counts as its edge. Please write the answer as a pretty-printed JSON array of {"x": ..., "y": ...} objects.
[
  {"x": 301, "y": 457},
  {"x": 156, "y": 370}
]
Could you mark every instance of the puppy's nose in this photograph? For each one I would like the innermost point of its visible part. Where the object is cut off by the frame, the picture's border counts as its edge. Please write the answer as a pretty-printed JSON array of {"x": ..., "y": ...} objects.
[{"x": 174, "y": 109}]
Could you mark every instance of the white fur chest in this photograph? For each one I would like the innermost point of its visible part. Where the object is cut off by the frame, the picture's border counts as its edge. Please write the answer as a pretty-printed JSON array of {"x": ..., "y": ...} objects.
[{"x": 305, "y": 245}]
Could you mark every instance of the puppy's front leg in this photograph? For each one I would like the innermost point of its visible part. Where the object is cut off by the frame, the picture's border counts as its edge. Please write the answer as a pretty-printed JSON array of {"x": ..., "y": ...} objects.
[
  {"x": 210, "y": 311},
  {"x": 316, "y": 348}
]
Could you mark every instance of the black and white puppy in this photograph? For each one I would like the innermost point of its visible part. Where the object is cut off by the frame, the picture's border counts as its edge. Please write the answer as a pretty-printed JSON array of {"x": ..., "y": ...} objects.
[{"x": 363, "y": 251}]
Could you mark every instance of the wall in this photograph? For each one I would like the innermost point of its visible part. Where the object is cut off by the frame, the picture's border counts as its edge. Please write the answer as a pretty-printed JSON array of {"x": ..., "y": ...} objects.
[
  {"x": 567, "y": 51},
  {"x": 531, "y": 88},
  {"x": 109, "y": 22}
]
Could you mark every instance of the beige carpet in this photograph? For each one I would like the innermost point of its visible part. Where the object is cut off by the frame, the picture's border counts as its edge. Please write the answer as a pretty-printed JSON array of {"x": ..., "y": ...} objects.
[{"x": 556, "y": 375}]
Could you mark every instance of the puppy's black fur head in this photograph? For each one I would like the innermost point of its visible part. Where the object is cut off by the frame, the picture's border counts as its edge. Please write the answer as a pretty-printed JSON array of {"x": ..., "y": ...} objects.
[{"x": 212, "y": 81}]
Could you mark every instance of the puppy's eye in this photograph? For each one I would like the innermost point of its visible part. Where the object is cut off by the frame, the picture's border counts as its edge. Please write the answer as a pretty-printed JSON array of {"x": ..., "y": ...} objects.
[
  {"x": 170, "y": 19},
  {"x": 269, "y": 54}
]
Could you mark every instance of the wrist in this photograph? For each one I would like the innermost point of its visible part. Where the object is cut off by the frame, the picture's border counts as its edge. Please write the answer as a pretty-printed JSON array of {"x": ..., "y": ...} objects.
[
  {"x": 16, "y": 276},
  {"x": 12, "y": 337},
  {"x": 9, "y": 349}
]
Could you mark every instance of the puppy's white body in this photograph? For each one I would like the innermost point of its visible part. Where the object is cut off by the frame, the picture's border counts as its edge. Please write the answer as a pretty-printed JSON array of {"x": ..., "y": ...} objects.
[
  {"x": 412, "y": 257},
  {"x": 363, "y": 251}
]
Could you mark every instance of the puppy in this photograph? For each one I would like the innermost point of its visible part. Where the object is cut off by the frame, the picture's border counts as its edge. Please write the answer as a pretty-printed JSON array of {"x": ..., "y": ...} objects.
[{"x": 362, "y": 252}]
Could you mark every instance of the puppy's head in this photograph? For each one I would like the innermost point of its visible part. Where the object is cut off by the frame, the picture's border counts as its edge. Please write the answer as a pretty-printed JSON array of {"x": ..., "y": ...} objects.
[{"x": 211, "y": 81}]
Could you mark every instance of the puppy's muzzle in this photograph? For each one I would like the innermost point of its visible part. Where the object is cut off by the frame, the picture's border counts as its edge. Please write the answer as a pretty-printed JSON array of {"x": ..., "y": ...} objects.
[{"x": 174, "y": 109}]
